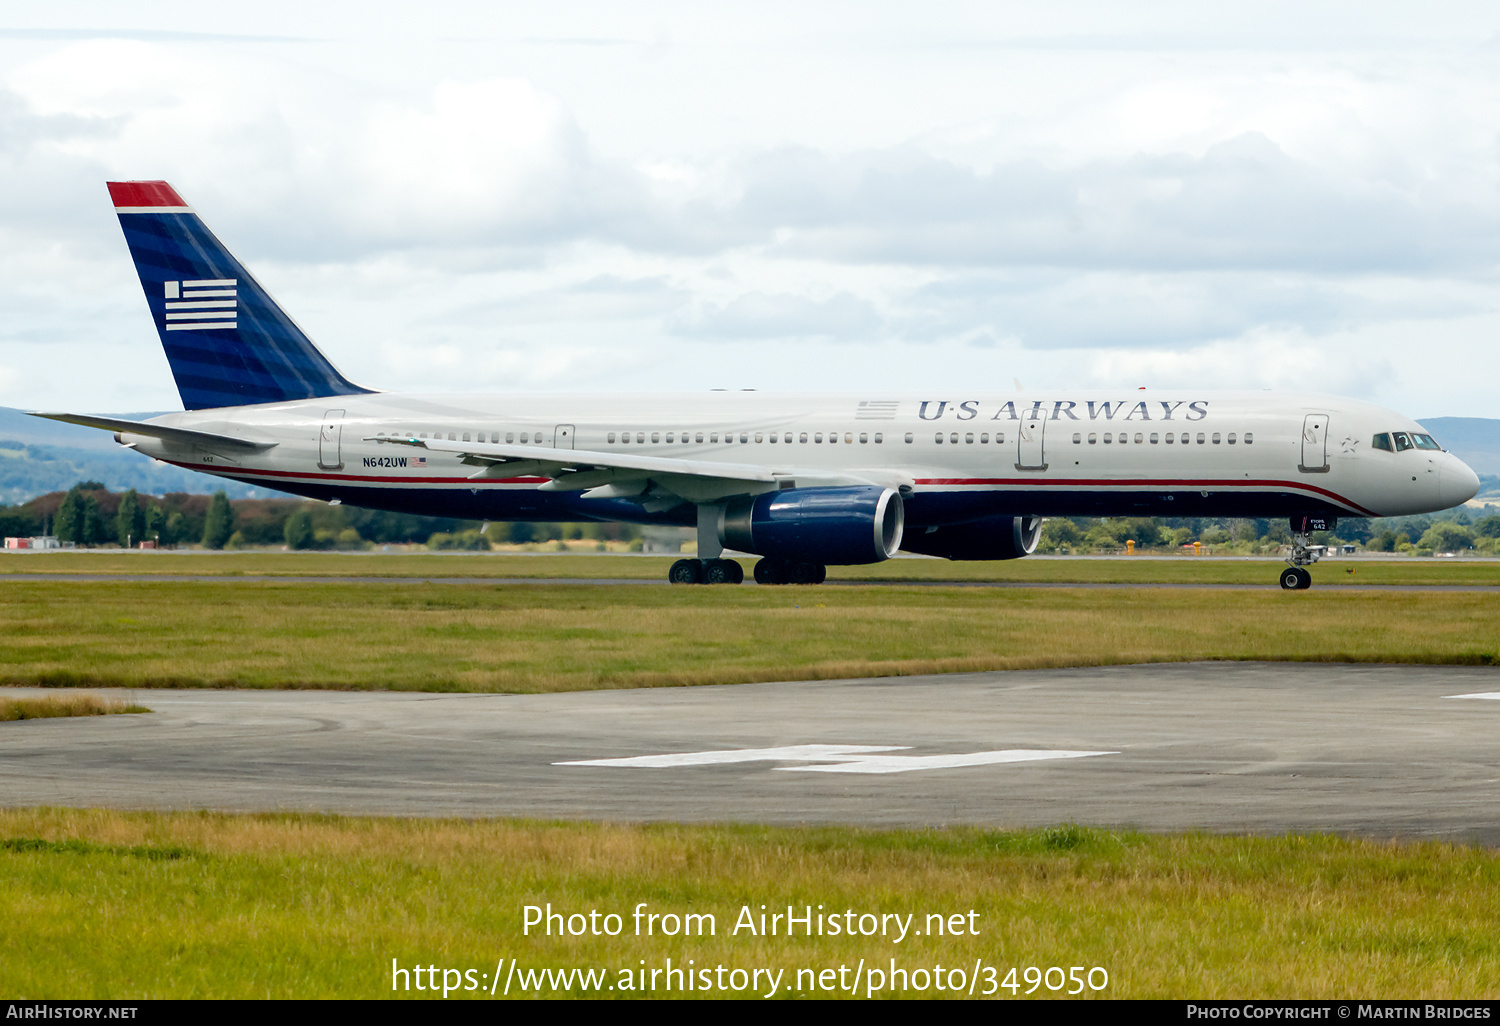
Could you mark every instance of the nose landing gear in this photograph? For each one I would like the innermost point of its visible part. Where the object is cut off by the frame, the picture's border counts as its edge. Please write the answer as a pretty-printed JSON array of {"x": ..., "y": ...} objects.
[{"x": 1295, "y": 577}]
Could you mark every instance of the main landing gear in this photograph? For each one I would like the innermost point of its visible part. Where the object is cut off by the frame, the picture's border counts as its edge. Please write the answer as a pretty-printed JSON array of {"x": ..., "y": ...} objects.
[
  {"x": 1295, "y": 577},
  {"x": 789, "y": 571},
  {"x": 706, "y": 571}
]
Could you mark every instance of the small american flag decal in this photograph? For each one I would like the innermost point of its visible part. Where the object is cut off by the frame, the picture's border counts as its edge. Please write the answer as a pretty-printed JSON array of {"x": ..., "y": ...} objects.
[{"x": 202, "y": 304}]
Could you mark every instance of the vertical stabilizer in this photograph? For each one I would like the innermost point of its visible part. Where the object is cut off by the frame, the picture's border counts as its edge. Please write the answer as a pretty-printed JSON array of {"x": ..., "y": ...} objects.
[{"x": 227, "y": 341}]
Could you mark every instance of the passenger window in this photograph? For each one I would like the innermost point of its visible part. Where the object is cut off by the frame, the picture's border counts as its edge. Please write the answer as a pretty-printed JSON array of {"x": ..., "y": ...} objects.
[
  {"x": 422, "y": 435},
  {"x": 938, "y": 438},
  {"x": 1382, "y": 441},
  {"x": 524, "y": 436},
  {"x": 817, "y": 438},
  {"x": 984, "y": 438},
  {"x": 510, "y": 437},
  {"x": 952, "y": 438},
  {"x": 1200, "y": 438},
  {"x": 1216, "y": 438},
  {"x": 669, "y": 436},
  {"x": 699, "y": 437},
  {"x": 1402, "y": 439},
  {"x": 1077, "y": 437},
  {"x": 655, "y": 437},
  {"x": 610, "y": 438},
  {"x": 863, "y": 438},
  {"x": 466, "y": 436},
  {"x": 1109, "y": 439},
  {"x": 745, "y": 438},
  {"x": 1093, "y": 438},
  {"x": 1249, "y": 438},
  {"x": 879, "y": 438},
  {"x": 1171, "y": 438},
  {"x": 848, "y": 437},
  {"x": 908, "y": 438},
  {"x": 1154, "y": 437},
  {"x": 1185, "y": 438},
  {"x": 1139, "y": 438},
  {"x": 802, "y": 438},
  {"x": 758, "y": 437},
  {"x": 999, "y": 437},
  {"x": 774, "y": 438},
  {"x": 1230, "y": 439}
]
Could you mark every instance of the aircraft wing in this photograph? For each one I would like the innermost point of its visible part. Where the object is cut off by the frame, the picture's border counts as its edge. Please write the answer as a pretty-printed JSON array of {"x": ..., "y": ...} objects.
[
  {"x": 615, "y": 474},
  {"x": 182, "y": 436}
]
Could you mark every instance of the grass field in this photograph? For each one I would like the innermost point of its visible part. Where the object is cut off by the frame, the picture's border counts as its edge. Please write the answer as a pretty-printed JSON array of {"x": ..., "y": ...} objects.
[
  {"x": 53, "y": 706},
  {"x": 540, "y": 637},
  {"x": 1038, "y": 569},
  {"x": 129, "y": 905}
]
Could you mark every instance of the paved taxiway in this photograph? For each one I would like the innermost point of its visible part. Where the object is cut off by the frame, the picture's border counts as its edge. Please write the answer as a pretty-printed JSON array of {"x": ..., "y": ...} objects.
[{"x": 1368, "y": 750}]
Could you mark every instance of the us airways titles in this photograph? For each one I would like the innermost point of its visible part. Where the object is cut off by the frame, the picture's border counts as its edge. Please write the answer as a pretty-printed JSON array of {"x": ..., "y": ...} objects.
[{"x": 1042, "y": 409}]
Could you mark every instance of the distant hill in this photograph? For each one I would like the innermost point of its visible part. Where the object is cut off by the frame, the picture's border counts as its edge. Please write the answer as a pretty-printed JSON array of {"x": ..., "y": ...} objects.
[
  {"x": 1475, "y": 440},
  {"x": 40, "y": 456}
]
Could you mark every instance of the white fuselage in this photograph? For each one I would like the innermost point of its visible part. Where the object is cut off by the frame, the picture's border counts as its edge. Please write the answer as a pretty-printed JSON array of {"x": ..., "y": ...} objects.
[{"x": 954, "y": 457}]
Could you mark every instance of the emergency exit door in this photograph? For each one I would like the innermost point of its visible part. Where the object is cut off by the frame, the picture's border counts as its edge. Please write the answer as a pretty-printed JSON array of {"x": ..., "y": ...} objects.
[
  {"x": 1031, "y": 441},
  {"x": 1314, "y": 444},
  {"x": 331, "y": 441}
]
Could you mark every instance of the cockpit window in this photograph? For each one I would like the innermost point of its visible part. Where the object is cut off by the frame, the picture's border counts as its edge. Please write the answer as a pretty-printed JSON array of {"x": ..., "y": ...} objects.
[
  {"x": 1403, "y": 440},
  {"x": 1382, "y": 441},
  {"x": 1425, "y": 442}
]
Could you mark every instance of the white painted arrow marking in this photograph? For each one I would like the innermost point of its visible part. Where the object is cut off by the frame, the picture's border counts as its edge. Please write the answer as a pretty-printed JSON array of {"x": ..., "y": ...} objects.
[
  {"x": 1483, "y": 694},
  {"x": 837, "y": 758}
]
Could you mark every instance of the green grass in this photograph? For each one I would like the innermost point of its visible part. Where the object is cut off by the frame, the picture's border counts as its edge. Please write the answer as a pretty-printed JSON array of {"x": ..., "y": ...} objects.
[
  {"x": 52, "y": 706},
  {"x": 1083, "y": 570},
  {"x": 135, "y": 905},
  {"x": 540, "y": 637}
]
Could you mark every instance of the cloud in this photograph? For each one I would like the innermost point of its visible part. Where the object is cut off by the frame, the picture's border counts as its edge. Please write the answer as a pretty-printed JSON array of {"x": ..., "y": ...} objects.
[{"x": 841, "y": 317}]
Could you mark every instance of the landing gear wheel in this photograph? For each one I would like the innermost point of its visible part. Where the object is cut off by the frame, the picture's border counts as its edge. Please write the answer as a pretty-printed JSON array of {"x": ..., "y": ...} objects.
[
  {"x": 686, "y": 571},
  {"x": 770, "y": 571},
  {"x": 809, "y": 573},
  {"x": 722, "y": 571},
  {"x": 1294, "y": 578}
]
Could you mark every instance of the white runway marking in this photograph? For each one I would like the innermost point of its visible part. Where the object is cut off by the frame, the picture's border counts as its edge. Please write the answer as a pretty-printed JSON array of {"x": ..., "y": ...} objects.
[
  {"x": 907, "y": 763},
  {"x": 837, "y": 758},
  {"x": 1482, "y": 694}
]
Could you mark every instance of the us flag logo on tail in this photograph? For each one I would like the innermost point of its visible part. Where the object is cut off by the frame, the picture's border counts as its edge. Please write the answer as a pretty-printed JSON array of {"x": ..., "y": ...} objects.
[{"x": 206, "y": 303}]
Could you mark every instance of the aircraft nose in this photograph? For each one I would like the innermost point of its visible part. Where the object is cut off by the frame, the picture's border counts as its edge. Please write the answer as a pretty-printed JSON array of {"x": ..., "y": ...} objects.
[{"x": 1457, "y": 484}]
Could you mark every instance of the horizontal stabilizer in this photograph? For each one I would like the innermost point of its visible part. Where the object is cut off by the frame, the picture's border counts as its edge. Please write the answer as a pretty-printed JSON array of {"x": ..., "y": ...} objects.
[{"x": 182, "y": 436}]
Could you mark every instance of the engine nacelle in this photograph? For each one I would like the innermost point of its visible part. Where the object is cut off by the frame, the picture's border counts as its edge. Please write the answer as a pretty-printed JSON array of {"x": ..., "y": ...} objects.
[
  {"x": 990, "y": 538},
  {"x": 832, "y": 526}
]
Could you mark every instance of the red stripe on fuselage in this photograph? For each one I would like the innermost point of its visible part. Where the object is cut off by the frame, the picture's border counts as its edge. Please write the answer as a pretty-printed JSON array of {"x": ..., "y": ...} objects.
[
  {"x": 1135, "y": 485},
  {"x": 1147, "y": 485}
]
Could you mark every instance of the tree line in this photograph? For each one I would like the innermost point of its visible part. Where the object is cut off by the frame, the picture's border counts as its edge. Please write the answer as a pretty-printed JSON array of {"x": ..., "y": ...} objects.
[{"x": 90, "y": 515}]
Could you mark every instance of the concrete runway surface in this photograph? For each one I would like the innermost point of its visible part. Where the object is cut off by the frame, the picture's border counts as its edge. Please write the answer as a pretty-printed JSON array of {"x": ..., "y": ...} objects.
[{"x": 1375, "y": 751}]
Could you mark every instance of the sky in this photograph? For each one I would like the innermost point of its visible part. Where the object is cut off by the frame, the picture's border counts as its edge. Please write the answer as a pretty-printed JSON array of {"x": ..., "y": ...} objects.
[{"x": 655, "y": 196}]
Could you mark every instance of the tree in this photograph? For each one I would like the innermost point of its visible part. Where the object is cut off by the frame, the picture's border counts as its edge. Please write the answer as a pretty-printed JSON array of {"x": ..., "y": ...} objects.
[
  {"x": 68, "y": 526},
  {"x": 155, "y": 524},
  {"x": 219, "y": 524},
  {"x": 130, "y": 519},
  {"x": 299, "y": 530}
]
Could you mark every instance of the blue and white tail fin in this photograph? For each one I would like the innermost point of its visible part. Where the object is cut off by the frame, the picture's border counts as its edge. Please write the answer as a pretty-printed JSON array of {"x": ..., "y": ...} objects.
[{"x": 227, "y": 341}]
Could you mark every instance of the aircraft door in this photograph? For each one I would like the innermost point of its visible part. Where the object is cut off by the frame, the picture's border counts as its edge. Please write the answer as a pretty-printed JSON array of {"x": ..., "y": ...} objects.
[
  {"x": 562, "y": 437},
  {"x": 1030, "y": 441},
  {"x": 1314, "y": 444},
  {"x": 331, "y": 441}
]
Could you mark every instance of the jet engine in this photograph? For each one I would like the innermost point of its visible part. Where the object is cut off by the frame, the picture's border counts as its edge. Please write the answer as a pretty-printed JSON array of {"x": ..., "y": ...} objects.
[
  {"x": 838, "y": 526},
  {"x": 990, "y": 538}
]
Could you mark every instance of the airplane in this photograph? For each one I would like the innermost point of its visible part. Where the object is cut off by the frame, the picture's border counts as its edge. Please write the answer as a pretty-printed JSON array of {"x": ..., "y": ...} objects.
[{"x": 803, "y": 481}]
